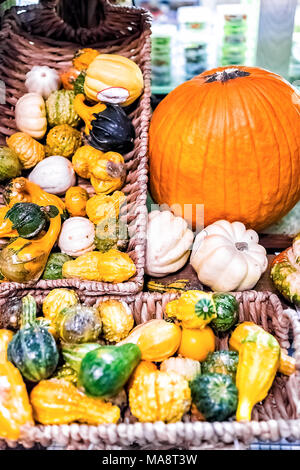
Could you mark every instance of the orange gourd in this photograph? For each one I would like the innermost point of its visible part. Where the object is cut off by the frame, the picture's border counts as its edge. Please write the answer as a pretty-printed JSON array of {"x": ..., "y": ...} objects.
[
  {"x": 15, "y": 409},
  {"x": 197, "y": 343},
  {"x": 228, "y": 139}
]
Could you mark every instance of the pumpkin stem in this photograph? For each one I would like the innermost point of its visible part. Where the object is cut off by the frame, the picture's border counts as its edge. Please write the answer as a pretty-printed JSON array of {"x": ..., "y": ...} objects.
[
  {"x": 28, "y": 310},
  {"x": 242, "y": 246},
  {"x": 225, "y": 75}
]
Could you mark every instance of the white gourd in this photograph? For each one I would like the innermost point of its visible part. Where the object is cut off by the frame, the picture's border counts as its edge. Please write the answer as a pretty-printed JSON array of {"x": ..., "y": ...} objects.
[
  {"x": 188, "y": 368},
  {"x": 54, "y": 174},
  {"x": 228, "y": 257},
  {"x": 42, "y": 80},
  {"x": 30, "y": 115},
  {"x": 77, "y": 236},
  {"x": 169, "y": 241}
]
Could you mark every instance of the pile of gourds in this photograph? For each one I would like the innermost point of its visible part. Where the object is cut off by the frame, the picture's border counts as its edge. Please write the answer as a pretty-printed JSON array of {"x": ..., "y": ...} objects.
[
  {"x": 97, "y": 90},
  {"x": 88, "y": 364}
]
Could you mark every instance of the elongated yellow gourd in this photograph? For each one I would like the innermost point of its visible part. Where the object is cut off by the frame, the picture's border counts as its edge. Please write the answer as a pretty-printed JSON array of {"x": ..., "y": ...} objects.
[
  {"x": 287, "y": 364},
  {"x": 15, "y": 409},
  {"x": 25, "y": 260},
  {"x": 259, "y": 356}
]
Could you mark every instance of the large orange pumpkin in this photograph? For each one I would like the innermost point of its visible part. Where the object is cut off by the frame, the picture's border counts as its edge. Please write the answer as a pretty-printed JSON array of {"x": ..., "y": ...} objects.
[{"x": 228, "y": 139}]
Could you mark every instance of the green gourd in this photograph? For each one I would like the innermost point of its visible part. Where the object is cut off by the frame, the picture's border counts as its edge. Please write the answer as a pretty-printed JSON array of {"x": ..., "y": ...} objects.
[
  {"x": 78, "y": 324},
  {"x": 227, "y": 309},
  {"x": 215, "y": 396},
  {"x": 10, "y": 165},
  {"x": 33, "y": 349},
  {"x": 60, "y": 109},
  {"x": 104, "y": 371},
  {"x": 111, "y": 233},
  {"x": 221, "y": 362},
  {"x": 74, "y": 353},
  {"x": 30, "y": 219},
  {"x": 53, "y": 269}
]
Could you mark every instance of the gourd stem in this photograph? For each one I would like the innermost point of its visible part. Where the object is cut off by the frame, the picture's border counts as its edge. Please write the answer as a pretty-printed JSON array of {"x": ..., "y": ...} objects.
[
  {"x": 28, "y": 310},
  {"x": 225, "y": 75}
]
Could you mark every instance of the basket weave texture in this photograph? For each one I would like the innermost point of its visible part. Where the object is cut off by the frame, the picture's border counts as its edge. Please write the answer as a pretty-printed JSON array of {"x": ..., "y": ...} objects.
[
  {"x": 277, "y": 417},
  {"x": 36, "y": 35}
]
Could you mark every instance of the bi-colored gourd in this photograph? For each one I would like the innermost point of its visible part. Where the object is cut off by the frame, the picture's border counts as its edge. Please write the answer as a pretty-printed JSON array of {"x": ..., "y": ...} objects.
[
  {"x": 60, "y": 402},
  {"x": 74, "y": 353},
  {"x": 87, "y": 113},
  {"x": 287, "y": 364},
  {"x": 57, "y": 300},
  {"x": 194, "y": 309},
  {"x": 259, "y": 359},
  {"x": 30, "y": 114},
  {"x": 63, "y": 140},
  {"x": 107, "y": 171},
  {"x": 218, "y": 131},
  {"x": 117, "y": 320},
  {"x": 78, "y": 324},
  {"x": 111, "y": 233},
  {"x": 53, "y": 268},
  {"x": 77, "y": 236},
  {"x": 60, "y": 108},
  {"x": 159, "y": 396},
  {"x": 105, "y": 371},
  {"x": 84, "y": 57},
  {"x": 215, "y": 396},
  {"x": 15, "y": 408},
  {"x": 188, "y": 368},
  {"x": 197, "y": 343},
  {"x": 25, "y": 260},
  {"x": 68, "y": 78},
  {"x": 169, "y": 241},
  {"x": 76, "y": 200},
  {"x": 155, "y": 346},
  {"x": 23, "y": 190},
  {"x": 55, "y": 175},
  {"x": 42, "y": 80},
  {"x": 10, "y": 165},
  {"x": 111, "y": 266},
  {"x": 33, "y": 349},
  {"x": 228, "y": 257},
  {"x": 6, "y": 228},
  {"x": 30, "y": 219},
  {"x": 221, "y": 362},
  {"x": 285, "y": 272},
  {"x": 114, "y": 79},
  {"x": 101, "y": 207},
  {"x": 30, "y": 152}
]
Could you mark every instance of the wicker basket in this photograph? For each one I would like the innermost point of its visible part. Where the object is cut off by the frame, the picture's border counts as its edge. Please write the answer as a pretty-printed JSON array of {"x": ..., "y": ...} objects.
[
  {"x": 276, "y": 418},
  {"x": 37, "y": 35}
]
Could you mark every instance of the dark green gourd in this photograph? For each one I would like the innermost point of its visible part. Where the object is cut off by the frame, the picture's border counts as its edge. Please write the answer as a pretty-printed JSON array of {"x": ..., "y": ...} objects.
[
  {"x": 30, "y": 219},
  {"x": 227, "y": 309},
  {"x": 112, "y": 130},
  {"x": 33, "y": 349}
]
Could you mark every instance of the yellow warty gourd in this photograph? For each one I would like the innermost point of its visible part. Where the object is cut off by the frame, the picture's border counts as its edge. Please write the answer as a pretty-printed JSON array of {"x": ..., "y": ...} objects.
[
  {"x": 159, "y": 396},
  {"x": 57, "y": 300},
  {"x": 117, "y": 320},
  {"x": 111, "y": 266}
]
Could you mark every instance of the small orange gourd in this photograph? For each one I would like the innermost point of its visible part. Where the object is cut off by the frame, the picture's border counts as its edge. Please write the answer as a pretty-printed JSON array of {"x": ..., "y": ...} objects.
[
  {"x": 15, "y": 409},
  {"x": 75, "y": 200},
  {"x": 29, "y": 150},
  {"x": 197, "y": 343}
]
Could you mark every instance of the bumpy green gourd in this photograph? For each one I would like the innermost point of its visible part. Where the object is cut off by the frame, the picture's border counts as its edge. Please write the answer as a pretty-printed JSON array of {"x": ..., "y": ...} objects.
[{"x": 60, "y": 109}]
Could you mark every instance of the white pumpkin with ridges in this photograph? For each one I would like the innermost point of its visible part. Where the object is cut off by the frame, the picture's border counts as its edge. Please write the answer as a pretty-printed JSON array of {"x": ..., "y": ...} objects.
[
  {"x": 77, "y": 236},
  {"x": 54, "y": 174}
]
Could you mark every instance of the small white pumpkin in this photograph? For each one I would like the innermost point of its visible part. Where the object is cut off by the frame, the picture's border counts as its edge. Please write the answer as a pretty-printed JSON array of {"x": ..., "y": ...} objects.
[
  {"x": 30, "y": 115},
  {"x": 77, "y": 236},
  {"x": 227, "y": 257},
  {"x": 169, "y": 241},
  {"x": 42, "y": 80},
  {"x": 54, "y": 174}
]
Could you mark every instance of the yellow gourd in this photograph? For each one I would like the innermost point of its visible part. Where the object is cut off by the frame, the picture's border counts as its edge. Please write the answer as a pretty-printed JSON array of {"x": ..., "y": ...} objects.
[
  {"x": 102, "y": 206},
  {"x": 25, "y": 260},
  {"x": 76, "y": 200},
  {"x": 6, "y": 229},
  {"x": 15, "y": 409},
  {"x": 111, "y": 266},
  {"x": 57, "y": 300},
  {"x": 259, "y": 357},
  {"x": 117, "y": 320},
  {"x": 87, "y": 112},
  {"x": 157, "y": 339},
  {"x": 159, "y": 396},
  {"x": 60, "y": 402},
  {"x": 194, "y": 309},
  {"x": 287, "y": 364},
  {"x": 144, "y": 367},
  {"x": 196, "y": 343},
  {"x": 29, "y": 150},
  {"x": 23, "y": 190}
]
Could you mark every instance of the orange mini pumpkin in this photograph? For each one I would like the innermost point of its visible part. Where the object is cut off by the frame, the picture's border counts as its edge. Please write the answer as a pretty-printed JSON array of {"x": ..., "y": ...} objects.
[{"x": 228, "y": 139}]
